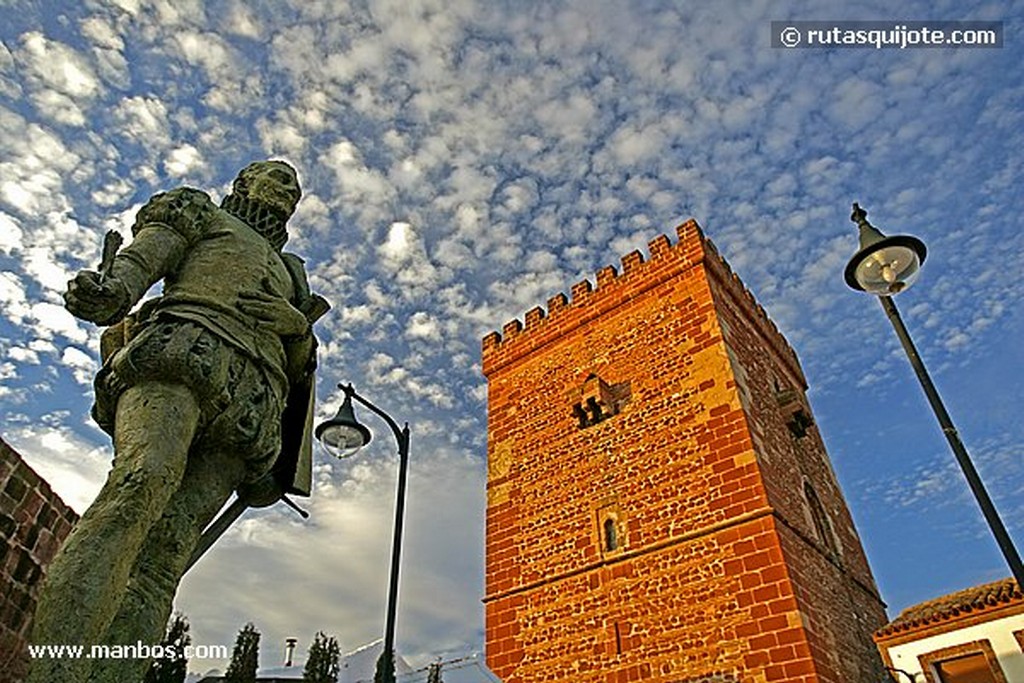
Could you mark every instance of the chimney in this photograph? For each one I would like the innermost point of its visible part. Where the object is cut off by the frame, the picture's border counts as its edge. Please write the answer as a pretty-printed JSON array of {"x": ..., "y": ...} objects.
[{"x": 289, "y": 650}]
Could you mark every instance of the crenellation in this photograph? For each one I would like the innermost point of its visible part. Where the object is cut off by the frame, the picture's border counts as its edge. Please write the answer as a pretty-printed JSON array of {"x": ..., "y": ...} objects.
[
  {"x": 556, "y": 304},
  {"x": 491, "y": 341},
  {"x": 659, "y": 246},
  {"x": 631, "y": 261},
  {"x": 606, "y": 276},
  {"x": 638, "y": 274},
  {"x": 534, "y": 317},
  {"x": 511, "y": 329},
  {"x": 746, "y": 298},
  {"x": 580, "y": 291},
  {"x": 609, "y": 282},
  {"x": 689, "y": 229}
]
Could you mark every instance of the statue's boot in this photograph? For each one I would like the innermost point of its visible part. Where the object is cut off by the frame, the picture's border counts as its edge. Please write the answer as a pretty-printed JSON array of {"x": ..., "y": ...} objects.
[{"x": 86, "y": 581}]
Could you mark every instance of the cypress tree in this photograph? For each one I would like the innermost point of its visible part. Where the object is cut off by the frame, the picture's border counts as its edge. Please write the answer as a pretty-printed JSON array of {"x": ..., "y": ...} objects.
[
  {"x": 171, "y": 669},
  {"x": 322, "y": 663},
  {"x": 245, "y": 656}
]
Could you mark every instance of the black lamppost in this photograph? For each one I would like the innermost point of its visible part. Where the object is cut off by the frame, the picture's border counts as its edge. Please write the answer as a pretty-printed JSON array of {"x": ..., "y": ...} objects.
[
  {"x": 342, "y": 436},
  {"x": 911, "y": 677},
  {"x": 885, "y": 266}
]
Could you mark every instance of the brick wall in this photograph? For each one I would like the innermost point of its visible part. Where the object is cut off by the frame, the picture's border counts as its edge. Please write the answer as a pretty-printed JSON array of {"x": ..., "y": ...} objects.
[
  {"x": 33, "y": 523},
  {"x": 657, "y": 407},
  {"x": 834, "y": 587}
]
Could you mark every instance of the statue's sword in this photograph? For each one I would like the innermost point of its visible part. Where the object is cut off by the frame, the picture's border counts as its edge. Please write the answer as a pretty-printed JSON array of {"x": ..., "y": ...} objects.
[
  {"x": 111, "y": 243},
  {"x": 224, "y": 521}
]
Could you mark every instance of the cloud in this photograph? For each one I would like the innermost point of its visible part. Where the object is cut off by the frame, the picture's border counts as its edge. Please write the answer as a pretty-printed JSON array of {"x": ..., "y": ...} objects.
[
  {"x": 209, "y": 51},
  {"x": 35, "y": 163},
  {"x": 399, "y": 244},
  {"x": 364, "y": 190},
  {"x": 58, "y": 66},
  {"x": 12, "y": 294},
  {"x": 11, "y": 234},
  {"x": 404, "y": 257},
  {"x": 183, "y": 161},
  {"x": 144, "y": 119},
  {"x": 51, "y": 320},
  {"x": 83, "y": 365},
  {"x": 423, "y": 326},
  {"x": 240, "y": 20}
]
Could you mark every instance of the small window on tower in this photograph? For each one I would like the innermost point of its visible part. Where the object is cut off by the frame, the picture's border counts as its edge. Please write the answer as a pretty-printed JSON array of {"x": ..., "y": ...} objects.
[
  {"x": 822, "y": 525},
  {"x": 599, "y": 401},
  {"x": 611, "y": 535},
  {"x": 609, "y": 528},
  {"x": 794, "y": 412}
]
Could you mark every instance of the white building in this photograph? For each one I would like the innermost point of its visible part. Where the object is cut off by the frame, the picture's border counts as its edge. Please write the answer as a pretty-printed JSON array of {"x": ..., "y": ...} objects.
[{"x": 971, "y": 636}]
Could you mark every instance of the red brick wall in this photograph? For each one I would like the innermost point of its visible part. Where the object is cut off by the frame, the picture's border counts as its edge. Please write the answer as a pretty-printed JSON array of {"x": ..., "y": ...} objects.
[
  {"x": 716, "y": 576},
  {"x": 834, "y": 586},
  {"x": 34, "y": 521}
]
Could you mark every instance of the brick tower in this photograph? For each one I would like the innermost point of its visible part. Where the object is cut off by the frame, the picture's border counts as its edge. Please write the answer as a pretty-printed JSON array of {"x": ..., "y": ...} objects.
[{"x": 660, "y": 505}]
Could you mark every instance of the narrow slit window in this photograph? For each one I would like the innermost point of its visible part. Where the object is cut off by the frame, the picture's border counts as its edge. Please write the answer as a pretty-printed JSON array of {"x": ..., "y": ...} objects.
[
  {"x": 819, "y": 518},
  {"x": 611, "y": 535}
]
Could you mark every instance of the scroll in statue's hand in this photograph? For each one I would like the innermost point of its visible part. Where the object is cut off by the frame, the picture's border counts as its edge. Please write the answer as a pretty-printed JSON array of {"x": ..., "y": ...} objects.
[
  {"x": 96, "y": 298},
  {"x": 274, "y": 313}
]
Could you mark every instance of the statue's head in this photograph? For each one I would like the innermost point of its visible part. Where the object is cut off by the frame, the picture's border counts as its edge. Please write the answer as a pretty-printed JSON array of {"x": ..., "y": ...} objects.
[
  {"x": 264, "y": 196},
  {"x": 274, "y": 184}
]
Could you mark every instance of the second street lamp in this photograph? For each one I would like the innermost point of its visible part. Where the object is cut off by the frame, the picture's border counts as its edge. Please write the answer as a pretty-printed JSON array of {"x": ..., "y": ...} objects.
[
  {"x": 342, "y": 436},
  {"x": 885, "y": 266}
]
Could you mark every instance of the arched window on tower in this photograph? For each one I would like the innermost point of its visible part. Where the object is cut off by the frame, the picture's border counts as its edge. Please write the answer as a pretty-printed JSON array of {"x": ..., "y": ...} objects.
[{"x": 819, "y": 518}]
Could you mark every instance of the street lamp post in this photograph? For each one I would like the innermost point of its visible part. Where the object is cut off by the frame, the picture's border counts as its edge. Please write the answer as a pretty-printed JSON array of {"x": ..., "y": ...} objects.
[
  {"x": 885, "y": 266},
  {"x": 911, "y": 677},
  {"x": 342, "y": 436}
]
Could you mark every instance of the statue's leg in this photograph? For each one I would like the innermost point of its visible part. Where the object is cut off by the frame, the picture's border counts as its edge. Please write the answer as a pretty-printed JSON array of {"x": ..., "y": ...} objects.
[
  {"x": 87, "y": 579},
  {"x": 208, "y": 483}
]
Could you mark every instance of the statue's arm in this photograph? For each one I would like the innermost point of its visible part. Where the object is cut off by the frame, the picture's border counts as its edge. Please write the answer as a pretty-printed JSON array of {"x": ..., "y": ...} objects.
[
  {"x": 165, "y": 229},
  {"x": 301, "y": 351},
  {"x": 289, "y": 317}
]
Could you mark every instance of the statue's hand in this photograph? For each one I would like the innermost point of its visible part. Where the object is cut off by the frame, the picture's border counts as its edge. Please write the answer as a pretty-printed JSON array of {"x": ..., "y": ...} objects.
[
  {"x": 98, "y": 299},
  {"x": 273, "y": 313}
]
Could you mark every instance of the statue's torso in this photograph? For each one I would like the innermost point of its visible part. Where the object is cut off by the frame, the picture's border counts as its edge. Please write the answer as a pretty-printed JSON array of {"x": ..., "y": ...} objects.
[{"x": 230, "y": 258}]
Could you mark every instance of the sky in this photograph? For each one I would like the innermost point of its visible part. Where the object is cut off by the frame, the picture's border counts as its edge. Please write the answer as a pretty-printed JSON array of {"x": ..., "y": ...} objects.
[{"x": 466, "y": 160}]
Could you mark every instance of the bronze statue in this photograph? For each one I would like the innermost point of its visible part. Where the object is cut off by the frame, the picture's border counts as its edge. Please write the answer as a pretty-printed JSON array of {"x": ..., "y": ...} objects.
[{"x": 205, "y": 389}]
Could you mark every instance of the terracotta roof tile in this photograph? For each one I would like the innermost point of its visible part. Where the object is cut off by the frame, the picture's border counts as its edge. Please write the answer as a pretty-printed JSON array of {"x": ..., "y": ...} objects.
[{"x": 954, "y": 605}]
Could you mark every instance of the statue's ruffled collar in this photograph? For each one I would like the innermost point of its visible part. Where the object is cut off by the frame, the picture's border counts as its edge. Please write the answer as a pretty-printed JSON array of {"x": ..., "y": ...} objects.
[{"x": 260, "y": 217}]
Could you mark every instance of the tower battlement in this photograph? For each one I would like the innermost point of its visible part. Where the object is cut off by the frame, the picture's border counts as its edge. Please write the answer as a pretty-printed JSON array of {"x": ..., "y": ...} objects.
[{"x": 615, "y": 287}]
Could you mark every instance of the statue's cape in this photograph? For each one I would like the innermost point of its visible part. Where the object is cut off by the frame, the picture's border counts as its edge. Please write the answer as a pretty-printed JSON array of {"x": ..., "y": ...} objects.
[{"x": 293, "y": 470}]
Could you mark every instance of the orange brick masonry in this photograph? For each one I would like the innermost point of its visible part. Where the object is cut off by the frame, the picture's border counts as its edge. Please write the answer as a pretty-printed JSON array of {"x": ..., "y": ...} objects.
[{"x": 660, "y": 506}]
